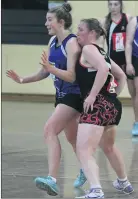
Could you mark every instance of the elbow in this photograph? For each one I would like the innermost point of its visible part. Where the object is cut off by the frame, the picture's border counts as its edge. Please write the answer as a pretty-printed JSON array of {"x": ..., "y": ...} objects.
[
  {"x": 46, "y": 75},
  {"x": 72, "y": 79},
  {"x": 128, "y": 46},
  {"x": 39, "y": 78},
  {"x": 102, "y": 74},
  {"x": 105, "y": 72},
  {"x": 122, "y": 76}
]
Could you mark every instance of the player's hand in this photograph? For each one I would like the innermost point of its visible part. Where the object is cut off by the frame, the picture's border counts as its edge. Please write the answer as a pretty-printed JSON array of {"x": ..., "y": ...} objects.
[
  {"x": 130, "y": 70},
  {"x": 13, "y": 75},
  {"x": 88, "y": 103},
  {"x": 44, "y": 62}
]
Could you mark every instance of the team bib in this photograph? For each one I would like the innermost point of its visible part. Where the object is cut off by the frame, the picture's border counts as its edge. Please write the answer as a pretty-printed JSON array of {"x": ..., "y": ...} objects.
[{"x": 119, "y": 40}]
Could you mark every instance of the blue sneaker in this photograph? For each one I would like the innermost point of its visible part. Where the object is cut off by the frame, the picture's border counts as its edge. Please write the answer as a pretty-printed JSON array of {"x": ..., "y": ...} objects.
[
  {"x": 47, "y": 184},
  {"x": 135, "y": 129},
  {"x": 80, "y": 181},
  {"x": 124, "y": 186}
]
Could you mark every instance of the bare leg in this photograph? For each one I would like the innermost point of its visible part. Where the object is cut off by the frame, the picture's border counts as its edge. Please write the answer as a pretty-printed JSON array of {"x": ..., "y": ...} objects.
[
  {"x": 136, "y": 99},
  {"x": 116, "y": 160},
  {"x": 132, "y": 91},
  {"x": 71, "y": 131},
  {"x": 57, "y": 122},
  {"x": 112, "y": 153},
  {"x": 88, "y": 139}
]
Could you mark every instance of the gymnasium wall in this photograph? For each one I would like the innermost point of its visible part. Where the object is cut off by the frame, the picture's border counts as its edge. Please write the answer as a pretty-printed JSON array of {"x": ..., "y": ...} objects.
[{"x": 24, "y": 59}]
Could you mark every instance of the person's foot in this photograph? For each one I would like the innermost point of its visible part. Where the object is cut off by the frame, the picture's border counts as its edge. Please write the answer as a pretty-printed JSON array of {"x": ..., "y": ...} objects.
[
  {"x": 93, "y": 193},
  {"x": 124, "y": 186},
  {"x": 47, "y": 184},
  {"x": 135, "y": 129},
  {"x": 80, "y": 180}
]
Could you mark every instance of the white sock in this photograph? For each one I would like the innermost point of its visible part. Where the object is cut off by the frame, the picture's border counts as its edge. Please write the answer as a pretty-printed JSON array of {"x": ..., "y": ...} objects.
[
  {"x": 123, "y": 179},
  {"x": 54, "y": 179}
]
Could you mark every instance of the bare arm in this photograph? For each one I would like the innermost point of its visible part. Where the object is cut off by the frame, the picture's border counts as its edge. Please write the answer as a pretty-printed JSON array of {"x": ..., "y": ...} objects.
[
  {"x": 97, "y": 61},
  {"x": 73, "y": 51},
  {"x": 129, "y": 17},
  {"x": 119, "y": 76},
  {"x": 40, "y": 75}
]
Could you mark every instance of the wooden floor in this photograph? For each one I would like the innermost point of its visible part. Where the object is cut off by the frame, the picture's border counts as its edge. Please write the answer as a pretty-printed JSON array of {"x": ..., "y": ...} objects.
[{"x": 24, "y": 154}]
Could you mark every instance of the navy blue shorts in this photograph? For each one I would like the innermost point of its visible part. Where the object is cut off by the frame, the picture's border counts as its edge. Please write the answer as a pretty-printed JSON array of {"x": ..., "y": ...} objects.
[
  {"x": 135, "y": 65},
  {"x": 72, "y": 100}
]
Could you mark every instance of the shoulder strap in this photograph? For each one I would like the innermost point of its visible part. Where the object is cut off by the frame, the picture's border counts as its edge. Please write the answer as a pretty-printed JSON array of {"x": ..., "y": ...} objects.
[
  {"x": 67, "y": 39},
  {"x": 106, "y": 57},
  {"x": 137, "y": 20},
  {"x": 52, "y": 41},
  {"x": 101, "y": 50}
]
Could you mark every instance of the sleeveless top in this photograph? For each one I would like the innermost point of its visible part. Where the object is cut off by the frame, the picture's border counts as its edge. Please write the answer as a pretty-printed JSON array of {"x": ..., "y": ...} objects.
[
  {"x": 86, "y": 77},
  {"x": 58, "y": 58},
  {"x": 135, "y": 42},
  {"x": 116, "y": 39}
]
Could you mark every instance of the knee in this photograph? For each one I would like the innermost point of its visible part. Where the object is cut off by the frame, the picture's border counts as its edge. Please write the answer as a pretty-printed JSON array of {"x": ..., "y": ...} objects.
[
  {"x": 108, "y": 140},
  {"x": 80, "y": 149},
  {"x": 84, "y": 151},
  {"x": 108, "y": 148}
]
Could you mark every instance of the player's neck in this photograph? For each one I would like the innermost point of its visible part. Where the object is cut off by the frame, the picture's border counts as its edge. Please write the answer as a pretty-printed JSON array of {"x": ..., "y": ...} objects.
[
  {"x": 62, "y": 35},
  {"x": 93, "y": 41},
  {"x": 116, "y": 17}
]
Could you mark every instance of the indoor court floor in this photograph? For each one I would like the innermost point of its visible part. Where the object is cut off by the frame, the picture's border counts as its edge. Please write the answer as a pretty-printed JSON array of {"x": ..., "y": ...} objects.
[{"x": 24, "y": 154}]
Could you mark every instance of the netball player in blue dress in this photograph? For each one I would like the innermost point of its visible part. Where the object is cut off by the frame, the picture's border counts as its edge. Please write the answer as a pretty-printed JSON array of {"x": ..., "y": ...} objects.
[
  {"x": 132, "y": 66},
  {"x": 62, "y": 53}
]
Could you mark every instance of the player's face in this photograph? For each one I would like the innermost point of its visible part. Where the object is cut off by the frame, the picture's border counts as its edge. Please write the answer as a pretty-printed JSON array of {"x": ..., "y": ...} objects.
[
  {"x": 82, "y": 34},
  {"x": 52, "y": 24},
  {"x": 114, "y": 7}
]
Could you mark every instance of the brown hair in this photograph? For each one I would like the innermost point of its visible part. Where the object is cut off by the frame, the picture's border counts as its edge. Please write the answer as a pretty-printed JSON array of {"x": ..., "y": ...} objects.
[
  {"x": 94, "y": 24},
  {"x": 108, "y": 17},
  {"x": 63, "y": 12}
]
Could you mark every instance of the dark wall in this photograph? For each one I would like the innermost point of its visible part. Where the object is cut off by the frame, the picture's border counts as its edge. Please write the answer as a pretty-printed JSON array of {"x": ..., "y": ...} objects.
[
  {"x": 25, "y": 4},
  {"x": 23, "y": 23}
]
